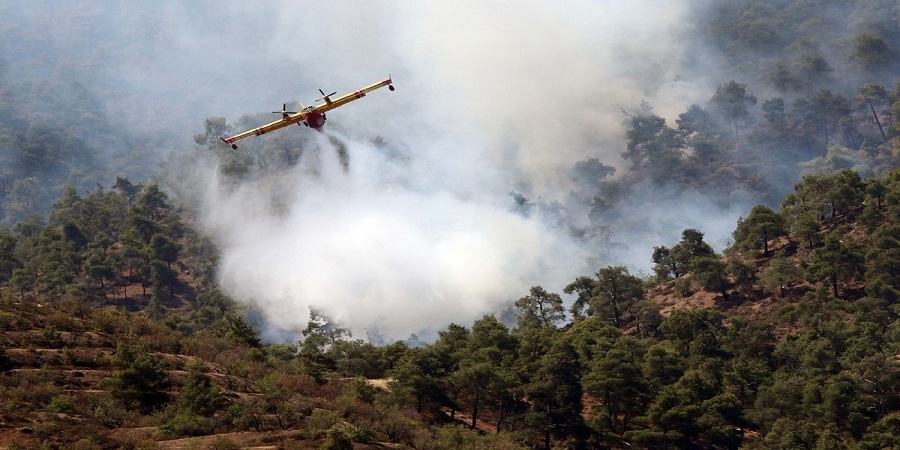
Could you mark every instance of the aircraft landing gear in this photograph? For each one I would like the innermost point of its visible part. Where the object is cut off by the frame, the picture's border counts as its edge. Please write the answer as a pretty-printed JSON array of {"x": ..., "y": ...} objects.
[{"x": 391, "y": 87}]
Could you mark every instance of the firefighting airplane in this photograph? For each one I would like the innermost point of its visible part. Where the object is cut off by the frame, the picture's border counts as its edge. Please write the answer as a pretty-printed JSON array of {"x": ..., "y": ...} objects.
[{"x": 310, "y": 116}]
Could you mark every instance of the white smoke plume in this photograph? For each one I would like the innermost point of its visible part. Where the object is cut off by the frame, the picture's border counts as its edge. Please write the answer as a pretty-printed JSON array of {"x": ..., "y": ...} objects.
[
  {"x": 491, "y": 97},
  {"x": 372, "y": 252}
]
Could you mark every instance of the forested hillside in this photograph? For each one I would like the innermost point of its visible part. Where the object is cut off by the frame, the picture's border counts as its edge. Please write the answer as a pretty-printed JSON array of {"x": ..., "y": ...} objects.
[
  {"x": 119, "y": 329},
  {"x": 114, "y": 336}
]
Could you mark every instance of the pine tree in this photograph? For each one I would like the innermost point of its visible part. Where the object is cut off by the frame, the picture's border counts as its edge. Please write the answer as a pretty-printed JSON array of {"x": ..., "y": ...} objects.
[
  {"x": 139, "y": 380},
  {"x": 761, "y": 226}
]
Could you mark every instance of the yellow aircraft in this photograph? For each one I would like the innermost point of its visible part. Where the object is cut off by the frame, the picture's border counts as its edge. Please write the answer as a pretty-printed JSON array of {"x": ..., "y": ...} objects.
[{"x": 310, "y": 116}]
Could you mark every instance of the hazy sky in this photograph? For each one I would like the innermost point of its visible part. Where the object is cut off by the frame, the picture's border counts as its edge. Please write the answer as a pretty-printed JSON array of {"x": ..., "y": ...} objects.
[{"x": 537, "y": 84}]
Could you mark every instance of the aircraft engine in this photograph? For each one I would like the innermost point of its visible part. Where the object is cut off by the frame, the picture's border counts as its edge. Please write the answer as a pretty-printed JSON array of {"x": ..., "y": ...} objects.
[{"x": 315, "y": 119}]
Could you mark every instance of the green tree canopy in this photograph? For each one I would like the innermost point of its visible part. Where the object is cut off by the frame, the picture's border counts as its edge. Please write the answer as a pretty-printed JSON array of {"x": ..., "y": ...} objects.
[
  {"x": 139, "y": 380},
  {"x": 732, "y": 100},
  {"x": 837, "y": 260},
  {"x": 761, "y": 226},
  {"x": 871, "y": 51},
  {"x": 539, "y": 309}
]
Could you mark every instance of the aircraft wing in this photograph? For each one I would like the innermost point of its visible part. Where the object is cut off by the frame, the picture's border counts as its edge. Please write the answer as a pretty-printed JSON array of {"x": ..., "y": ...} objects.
[
  {"x": 328, "y": 105},
  {"x": 287, "y": 119}
]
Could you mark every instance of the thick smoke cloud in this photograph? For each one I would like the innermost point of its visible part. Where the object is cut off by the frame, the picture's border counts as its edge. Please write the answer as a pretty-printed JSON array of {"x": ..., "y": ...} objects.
[
  {"x": 491, "y": 97},
  {"x": 420, "y": 230},
  {"x": 374, "y": 254},
  {"x": 539, "y": 85}
]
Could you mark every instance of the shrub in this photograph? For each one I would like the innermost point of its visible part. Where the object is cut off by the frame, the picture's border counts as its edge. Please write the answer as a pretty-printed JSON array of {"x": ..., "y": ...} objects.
[
  {"x": 61, "y": 403},
  {"x": 684, "y": 286},
  {"x": 187, "y": 424},
  {"x": 223, "y": 443},
  {"x": 86, "y": 444},
  {"x": 337, "y": 439},
  {"x": 320, "y": 421}
]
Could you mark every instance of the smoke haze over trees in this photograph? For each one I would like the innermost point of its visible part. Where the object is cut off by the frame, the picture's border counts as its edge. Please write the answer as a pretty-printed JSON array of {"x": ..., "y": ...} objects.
[
  {"x": 590, "y": 224},
  {"x": 725, "y": 106}
]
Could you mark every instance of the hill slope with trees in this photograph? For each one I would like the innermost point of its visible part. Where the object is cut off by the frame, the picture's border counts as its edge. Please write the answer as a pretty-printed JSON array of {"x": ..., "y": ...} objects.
[
  {"x": 114, "y": 336},
  {"x": 113, "y": 333}
]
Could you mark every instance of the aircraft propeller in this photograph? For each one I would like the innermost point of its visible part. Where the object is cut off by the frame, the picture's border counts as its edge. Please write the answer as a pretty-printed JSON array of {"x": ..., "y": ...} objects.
[
  {"x": 284, "y": 111},
  {"x": 325, "y": 97}
]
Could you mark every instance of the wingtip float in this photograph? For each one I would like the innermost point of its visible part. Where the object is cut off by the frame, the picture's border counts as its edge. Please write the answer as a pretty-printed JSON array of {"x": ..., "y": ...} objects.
[{"x": 309, "y": 116}]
